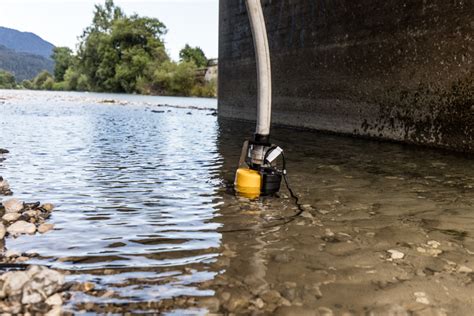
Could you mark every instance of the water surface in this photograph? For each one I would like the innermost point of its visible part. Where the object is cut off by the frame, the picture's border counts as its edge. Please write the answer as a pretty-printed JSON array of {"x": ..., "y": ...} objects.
[{"x": 145, "y": 210}]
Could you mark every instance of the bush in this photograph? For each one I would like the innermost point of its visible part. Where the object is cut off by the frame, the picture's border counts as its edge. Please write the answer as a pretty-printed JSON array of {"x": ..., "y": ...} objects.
[{"x": 7, "y": 80}]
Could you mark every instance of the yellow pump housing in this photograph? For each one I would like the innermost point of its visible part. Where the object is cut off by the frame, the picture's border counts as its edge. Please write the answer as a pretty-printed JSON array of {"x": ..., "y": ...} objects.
[{"x": 248, "y": 183}]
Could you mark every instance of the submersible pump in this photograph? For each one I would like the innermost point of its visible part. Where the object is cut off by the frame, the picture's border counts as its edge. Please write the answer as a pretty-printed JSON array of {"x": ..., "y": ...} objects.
[{"x": 257, "y": 173}]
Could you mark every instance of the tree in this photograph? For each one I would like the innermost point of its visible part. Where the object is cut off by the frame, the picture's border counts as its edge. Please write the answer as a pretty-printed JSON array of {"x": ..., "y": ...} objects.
[
  {"x": 43, "y": 80},
  {"x": 63, "y": 59},
  {"x": 175, "y": 79},
  {"x": 7, "y": 80},
  {"x": 117, "y": 50},
  {"x": 193, "y": 54}
]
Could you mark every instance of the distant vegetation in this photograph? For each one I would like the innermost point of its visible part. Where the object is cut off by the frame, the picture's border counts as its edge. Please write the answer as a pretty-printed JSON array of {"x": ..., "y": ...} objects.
[{"x": 125, "y": 54}]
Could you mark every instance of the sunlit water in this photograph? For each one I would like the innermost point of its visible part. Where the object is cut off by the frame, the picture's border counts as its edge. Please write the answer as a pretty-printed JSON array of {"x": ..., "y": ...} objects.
[{"x": 145, "y": 208}]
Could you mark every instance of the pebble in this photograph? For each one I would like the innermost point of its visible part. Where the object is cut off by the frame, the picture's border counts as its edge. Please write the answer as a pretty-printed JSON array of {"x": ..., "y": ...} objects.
[
  {"x": 21, "y": 227},
  {"x": 11, "y": 217},
  {"x": 271, "y": 296},
  {"x": 225, "y": 296},
  {"x": 211, "y": 303},
  {"x": 237, "y": 301},
  {"x": 464, "y": 269},
  {"x": 422, "y": 298},
  {"x": 44, "y": 228},
  {"x": 396, "y": 255},
  {"x": 433, "y": 244},
  {"x": 324, "y": 311},
  {"x": 13, "y": 206},
  {"x": 259, "y": 303}
]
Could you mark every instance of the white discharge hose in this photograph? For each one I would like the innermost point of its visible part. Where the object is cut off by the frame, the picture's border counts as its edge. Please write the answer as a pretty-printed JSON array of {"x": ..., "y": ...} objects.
[{"x": 264, "y": 73}]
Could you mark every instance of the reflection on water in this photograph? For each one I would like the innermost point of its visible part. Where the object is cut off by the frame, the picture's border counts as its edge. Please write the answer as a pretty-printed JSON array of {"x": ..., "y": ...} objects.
[{"x": 145, "y": 211}]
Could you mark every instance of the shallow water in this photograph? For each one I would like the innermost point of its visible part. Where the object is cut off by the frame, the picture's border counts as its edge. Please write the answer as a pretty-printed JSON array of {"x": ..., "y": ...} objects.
[{"x": 145, "y": 210}]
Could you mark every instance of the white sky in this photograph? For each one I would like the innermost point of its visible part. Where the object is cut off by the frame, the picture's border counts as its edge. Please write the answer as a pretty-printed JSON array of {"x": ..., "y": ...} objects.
[{"x": 62, "y": 21}]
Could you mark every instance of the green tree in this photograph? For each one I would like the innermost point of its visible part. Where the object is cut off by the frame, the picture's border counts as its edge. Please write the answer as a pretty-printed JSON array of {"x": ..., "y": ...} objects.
[
  {"x": 43, "y": 80},
  {"x": 7, "y": 80},
  {"x": 27, "y": 84},
  {"x": 117, "y": 50},
  {"x": 63, "y": 59},
  {"x": 175, "y": 79},
  {"x": 193, "y": 54}
]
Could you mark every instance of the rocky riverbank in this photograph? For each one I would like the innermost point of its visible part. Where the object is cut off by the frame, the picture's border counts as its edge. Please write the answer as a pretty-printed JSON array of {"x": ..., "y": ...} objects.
[{"x": 28, "y": 289}]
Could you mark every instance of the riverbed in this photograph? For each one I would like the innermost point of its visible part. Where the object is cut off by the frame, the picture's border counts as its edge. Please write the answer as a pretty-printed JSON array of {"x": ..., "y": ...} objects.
[{"x": 146, "y": 212}]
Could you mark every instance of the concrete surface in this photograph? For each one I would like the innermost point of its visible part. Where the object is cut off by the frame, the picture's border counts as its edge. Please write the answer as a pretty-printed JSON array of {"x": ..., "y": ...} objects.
[{"x": 398, "y": 70}]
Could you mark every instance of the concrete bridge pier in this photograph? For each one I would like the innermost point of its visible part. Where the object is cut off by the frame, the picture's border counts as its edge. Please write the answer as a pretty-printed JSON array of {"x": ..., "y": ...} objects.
[{"x": 396, "y": 70}]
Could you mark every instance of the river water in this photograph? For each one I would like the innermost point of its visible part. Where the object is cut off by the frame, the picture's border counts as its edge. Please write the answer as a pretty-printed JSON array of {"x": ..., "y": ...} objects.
[{"x": 146, "y": 212}]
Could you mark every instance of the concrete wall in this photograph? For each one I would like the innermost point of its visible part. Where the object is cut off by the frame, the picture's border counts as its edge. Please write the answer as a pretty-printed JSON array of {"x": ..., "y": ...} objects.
[{"x": 393, "y": 69}]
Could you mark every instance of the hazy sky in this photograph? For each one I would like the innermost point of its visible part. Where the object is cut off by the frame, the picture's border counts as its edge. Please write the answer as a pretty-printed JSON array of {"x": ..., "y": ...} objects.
[{"x": 62, "y": 21}]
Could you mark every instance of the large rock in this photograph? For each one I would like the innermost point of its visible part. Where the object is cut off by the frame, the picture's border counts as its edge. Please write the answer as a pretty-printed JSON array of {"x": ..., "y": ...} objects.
[
  {"x": 20, "y": 228},
  {"x": 12, "y": 284},
  {"x": 13, "y": 205},
  {"x": 11, "y": 217},
  {"x": 33, "y": 286}
]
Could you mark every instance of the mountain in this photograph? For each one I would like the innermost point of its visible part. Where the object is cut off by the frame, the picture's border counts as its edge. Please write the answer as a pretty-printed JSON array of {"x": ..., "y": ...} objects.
[
  {"x": 23, "y": 65},
  {"x": 25, "y": 42}
]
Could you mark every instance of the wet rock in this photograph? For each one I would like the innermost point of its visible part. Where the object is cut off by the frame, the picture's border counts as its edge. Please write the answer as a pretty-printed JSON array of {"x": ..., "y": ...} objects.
[
  {"x": 84, "y": 287},
  {"x": 237, "y": 301},
  {"x": 12, "y": 284},
  {"x": 282, "y": 258},
  {"x": 43, "y": 283},
  {"x": 289, "y": 294},
  {"x": 55, "y": 299},
  {"x": 11, "y": 217},
  {"x": 48, "y": 207},
  {"x": 271, "y": 296},
  {"x": 211, "y": 303},
  {"x": 13, "y": 206},
  {"x": 3, "y": 231},
  {"x": 21, "y": 227},
  {"x": 32, "y": 213},
  {"x": 46, "y": 227}
]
